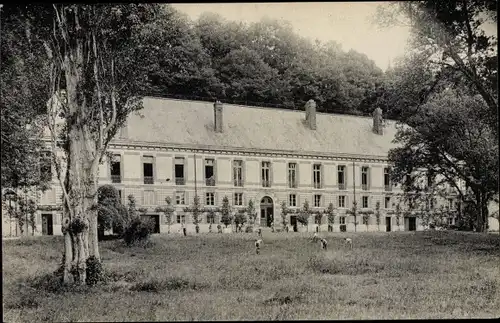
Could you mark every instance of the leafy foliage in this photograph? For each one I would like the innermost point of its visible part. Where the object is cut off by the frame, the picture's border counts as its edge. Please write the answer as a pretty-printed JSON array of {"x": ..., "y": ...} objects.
[
  {"x": 226, "y": 216},
  {"x": 304, "y": 213},
  {"x": 330, "y": 214},
  {"x": 284, "y": 213},
  {"x": 240, "y": 218},
  {"x": 451, "y": 102},
  {"x": 195, "y": 210},
  {"x": 251, "y": 212},
  {"x": 168, "y": 210},
  {"x": 378, "y": 213},
  {"x": 111, "y": 213},
  {"x": 139, "y": 230}
]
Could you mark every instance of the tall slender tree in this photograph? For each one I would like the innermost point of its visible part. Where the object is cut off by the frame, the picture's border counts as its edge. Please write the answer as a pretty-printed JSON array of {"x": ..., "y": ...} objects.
[{"x": 93, "y": 56}]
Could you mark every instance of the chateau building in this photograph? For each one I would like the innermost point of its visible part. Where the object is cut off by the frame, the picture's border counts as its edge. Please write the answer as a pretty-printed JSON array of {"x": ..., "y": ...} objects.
[{"x": 180, "y": 149}]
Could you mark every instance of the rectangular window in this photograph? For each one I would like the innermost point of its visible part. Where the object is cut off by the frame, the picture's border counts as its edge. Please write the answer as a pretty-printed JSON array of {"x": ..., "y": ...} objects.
[
  {"x": 147, "y": 165},
  {"x": 266, "y": 174},
  {"x": 450, "y": 221},
  {"x": 292, "y": 175},
  {"x": 342, "y": 220},
  {"x": 317, "y": 175},
  {"x": 210, "y": 198},
  {"x": 364, "y": 178},
  {"x": 209, "y": 172},
  {"x": 317, "y": 200},
  {"x": 181, "y": 218},
  {"x": 238, "y": 199},
  {"x": 450, "y": 204},
  {"x": 46, "y": 166},
  {"x": 365, "y": 201},
  {"x": 387, "y": 179},
  {"x": 115, "y": 169},
  {"x": 149, "y": 197},
  {"x": 238, "y": 172},
  {"x": 341, "y": 180},
  {"x": 387, "y": 202},
  {"x": 180, "y": 198},
  {"x": 292, "y": 200},
  {"x": 179, "y": 171},
  {"x": 120, "y": 195},
  {"x": 341, "y": 201}
]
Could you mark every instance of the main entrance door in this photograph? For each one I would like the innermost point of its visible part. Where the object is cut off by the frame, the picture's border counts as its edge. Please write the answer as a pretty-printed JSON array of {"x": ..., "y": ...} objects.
[
  {"x": 388, "y": 223},
  {"x": 266, "y": 211},
  {"x": 47, "y": 225}
]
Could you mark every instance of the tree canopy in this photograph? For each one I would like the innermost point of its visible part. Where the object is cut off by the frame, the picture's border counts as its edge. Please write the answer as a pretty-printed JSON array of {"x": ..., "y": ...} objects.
[{"x": 445, "y": 94}]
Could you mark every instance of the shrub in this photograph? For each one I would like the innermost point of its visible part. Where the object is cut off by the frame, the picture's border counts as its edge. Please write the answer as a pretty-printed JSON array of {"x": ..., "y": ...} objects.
[
  {"x": 95, "y": 271},
  {"x": 249, "y": 229},
  {"x": 226, "y": 217},
  {"x": 240, "y": 218},
  {"x": 303, "y": 216},
  {"x": 138, "y": 230}
]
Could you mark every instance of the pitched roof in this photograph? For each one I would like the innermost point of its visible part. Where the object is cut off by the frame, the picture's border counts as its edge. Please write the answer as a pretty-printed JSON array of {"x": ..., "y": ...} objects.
[{"x": 191, "y": 123}]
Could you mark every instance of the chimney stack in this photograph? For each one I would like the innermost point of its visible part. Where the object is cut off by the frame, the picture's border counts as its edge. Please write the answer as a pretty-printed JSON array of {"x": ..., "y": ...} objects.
[
  {"x": 378, "y": 126},
  {"x": 218, "y": 117},
  {"x": 311, "y": 114}
]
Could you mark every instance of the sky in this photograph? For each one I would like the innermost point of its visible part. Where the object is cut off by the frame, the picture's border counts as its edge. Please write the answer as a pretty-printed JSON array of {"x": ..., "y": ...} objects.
[{"x": 347, "y": 23}]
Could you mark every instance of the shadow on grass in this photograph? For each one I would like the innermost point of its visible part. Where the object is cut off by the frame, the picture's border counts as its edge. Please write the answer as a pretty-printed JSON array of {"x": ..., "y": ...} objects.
[{"x": 171, "y": 283}]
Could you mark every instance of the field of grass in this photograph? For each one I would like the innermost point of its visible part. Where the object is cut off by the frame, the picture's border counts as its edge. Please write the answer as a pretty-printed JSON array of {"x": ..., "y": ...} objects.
[{"x": 220, "y": 277}]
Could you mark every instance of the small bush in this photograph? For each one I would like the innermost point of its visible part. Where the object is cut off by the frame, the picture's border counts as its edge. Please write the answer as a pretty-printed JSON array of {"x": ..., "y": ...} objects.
[
  {"x": 95, "y": 271},
  {"x": 138, "y": 230},
  {"x": 249, "y": 229}
]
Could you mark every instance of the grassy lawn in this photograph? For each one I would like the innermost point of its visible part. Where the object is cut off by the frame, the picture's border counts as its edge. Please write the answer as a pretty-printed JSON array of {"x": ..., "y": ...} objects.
[{"x": 219, "y": 277}]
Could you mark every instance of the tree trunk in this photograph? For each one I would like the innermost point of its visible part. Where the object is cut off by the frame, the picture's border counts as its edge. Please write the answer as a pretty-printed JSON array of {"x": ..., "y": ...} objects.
[
  {"x": 482, "y": 212},
  {"x": 68, "y": 253}
]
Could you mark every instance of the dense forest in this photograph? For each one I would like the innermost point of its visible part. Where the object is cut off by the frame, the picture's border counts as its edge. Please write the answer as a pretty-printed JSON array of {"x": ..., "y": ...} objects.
[{"x": 263, "y": 63}]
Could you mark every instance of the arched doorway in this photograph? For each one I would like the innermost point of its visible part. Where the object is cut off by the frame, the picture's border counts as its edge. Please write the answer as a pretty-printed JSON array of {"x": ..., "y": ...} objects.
[{"x": 266, "y": 211}]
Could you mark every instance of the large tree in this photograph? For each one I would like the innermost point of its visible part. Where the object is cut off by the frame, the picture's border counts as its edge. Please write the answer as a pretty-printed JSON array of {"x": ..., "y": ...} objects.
[
  {"x": 453, "y": 35},
  {"x": 448, "y": 98},
  {"x": 22, "y": 94},
  {"x": 93, "y": 83}
]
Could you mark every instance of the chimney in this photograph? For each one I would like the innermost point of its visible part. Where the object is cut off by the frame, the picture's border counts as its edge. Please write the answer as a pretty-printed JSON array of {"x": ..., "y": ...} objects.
[
  {"x": 218, "y": 116},
  {"x": 378, "y": 126},
  {"x": 311, "y": 114}
]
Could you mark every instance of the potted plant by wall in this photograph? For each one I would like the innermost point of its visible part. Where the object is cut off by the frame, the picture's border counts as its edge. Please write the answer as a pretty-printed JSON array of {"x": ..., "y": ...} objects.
[
  {"x": 226, "y": 216},
  {"x": 318, "y": 217},
  {"x": 365, "y": 215},
  {"x": 252, "y": 215},
  {"x": 377, "y": 214},
  {"x": 330, "y": 214},
  {"x": 196, "y": 213},
  {"x": 354, "y": 213},
  {"x": 284, "y": 215},
  {"x": 211, "y": 219},
  {"x": 303, "y": 217},
  {"x": 240, "y": 219}
]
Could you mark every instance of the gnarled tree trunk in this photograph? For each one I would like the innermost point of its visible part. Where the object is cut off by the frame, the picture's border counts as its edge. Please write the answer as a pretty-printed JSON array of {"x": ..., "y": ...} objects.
[{"x": 81, "y": 175}]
